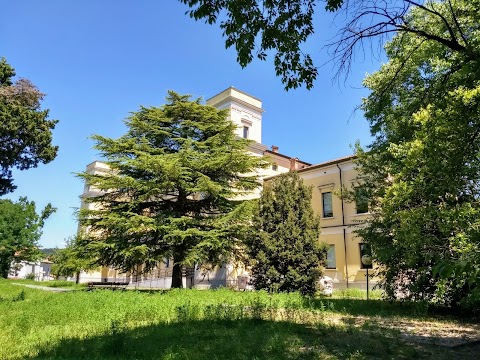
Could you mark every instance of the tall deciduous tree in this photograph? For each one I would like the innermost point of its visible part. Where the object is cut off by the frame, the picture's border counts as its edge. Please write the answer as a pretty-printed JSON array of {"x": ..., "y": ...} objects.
[
  {"x": 285, "y": 248},
  {"x": 423, "y": 169},
  {"x": 257, "y": 27},
  {"x": 25, "y": 131},
  {"x": 174, "y": 190},
  {"x": 73, "y": 259},
  {"x": 20, "y": 230}
]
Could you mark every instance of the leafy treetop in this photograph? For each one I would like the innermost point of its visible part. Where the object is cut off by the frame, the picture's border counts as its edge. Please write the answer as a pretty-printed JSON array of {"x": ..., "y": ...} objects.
[
  {"x": 423, "y": 168},
  {"x": 20, "y": 230},
  {"x": 255, "y": 27},
  {"x": 25, "y": 131}
]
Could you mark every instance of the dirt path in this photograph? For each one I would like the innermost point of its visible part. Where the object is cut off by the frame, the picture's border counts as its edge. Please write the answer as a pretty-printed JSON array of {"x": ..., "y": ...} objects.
[
  {"x": 450, "y": 334},
  {"x": 45, "y": 288}
]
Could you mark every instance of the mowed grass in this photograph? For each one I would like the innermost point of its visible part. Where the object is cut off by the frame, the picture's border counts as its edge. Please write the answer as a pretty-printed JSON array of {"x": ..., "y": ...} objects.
[{"x": 196, "y": 324}]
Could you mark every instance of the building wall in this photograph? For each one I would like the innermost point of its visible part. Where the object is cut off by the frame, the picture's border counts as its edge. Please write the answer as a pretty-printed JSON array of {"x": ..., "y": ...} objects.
[
  {"x": 39, "y": 269},
  {"x": 243, "y": 110},
  {"x": 339, "y": 229}
]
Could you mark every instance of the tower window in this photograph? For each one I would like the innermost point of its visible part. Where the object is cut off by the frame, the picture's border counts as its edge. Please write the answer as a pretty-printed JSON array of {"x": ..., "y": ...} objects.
[{"x": 245, "y": 132}]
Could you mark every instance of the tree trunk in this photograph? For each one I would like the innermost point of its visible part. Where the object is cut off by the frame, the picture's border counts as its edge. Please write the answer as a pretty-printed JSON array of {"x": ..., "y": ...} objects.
[
  {"x": 177, "y": 282},
  {"x": 5, "y": 263},
  {"x": 77, "y": 277}
]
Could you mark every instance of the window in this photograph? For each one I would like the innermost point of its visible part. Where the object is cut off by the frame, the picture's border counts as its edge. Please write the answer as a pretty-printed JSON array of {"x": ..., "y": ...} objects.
[
  {"x": 361, "y": 199},
  {"x": 245, "y": 132},
  {"x": 364, "y": 250},
  {"x": 327, "y": 204},
  {"x": 331, "y": 261},
  {"x": 274, "y": 167}
]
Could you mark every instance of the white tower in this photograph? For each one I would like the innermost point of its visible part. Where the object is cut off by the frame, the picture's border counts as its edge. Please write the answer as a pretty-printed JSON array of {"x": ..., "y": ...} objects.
[{"x": 245, "y": 111}]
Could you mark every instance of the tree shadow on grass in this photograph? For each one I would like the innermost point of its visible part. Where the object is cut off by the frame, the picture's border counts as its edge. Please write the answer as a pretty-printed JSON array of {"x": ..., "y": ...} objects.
[
  {"x": 235, "y": 339},
  {"x": 375, "y": 307}
]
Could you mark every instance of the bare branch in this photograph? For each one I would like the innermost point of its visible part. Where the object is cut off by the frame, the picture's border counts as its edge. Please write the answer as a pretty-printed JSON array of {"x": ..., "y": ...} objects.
[
  {"x": 454, "y": 16},
  {"x": 378, "y": 19}
]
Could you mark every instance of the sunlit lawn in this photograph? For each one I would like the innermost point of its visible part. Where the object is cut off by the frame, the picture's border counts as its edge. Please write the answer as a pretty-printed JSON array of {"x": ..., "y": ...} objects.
[{"x": 196, "y": 324}]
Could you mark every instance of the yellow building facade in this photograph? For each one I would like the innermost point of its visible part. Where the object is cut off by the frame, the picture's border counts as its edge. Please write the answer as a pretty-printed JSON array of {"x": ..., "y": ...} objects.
[
  {"x": 338, "y": 219},
  {"x": 245, "y": 111}
]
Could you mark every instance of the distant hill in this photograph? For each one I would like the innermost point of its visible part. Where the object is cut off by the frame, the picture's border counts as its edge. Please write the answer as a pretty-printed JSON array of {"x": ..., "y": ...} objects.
[{"x": 48, "y": 251}]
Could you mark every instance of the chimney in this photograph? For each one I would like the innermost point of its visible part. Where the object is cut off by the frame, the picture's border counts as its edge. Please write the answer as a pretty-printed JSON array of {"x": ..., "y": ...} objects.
[
  {"x": 293, "y": 163},
  {"x": 274, "y": 148}
]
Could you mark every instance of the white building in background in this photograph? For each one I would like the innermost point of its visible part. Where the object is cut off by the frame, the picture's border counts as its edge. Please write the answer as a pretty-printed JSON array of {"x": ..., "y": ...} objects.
[
  {"x": 37, "y": 270},
  {"x": 245, "y": 111}
]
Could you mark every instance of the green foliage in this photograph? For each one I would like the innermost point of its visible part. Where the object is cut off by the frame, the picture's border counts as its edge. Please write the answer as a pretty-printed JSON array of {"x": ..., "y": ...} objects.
[
  {"x": 24, "y": 129},
  {"x": 257, "y": 28},
  {"x": 48, "y": 251},
  {"x": 30, "y": 276},
  {"x": 20, "y": 296},
  {"x": 355, "y": 293},
  {"x": 285, "y": 248},
  {"x": 20, "y": 229},
  {"x": 174, "y": 189},
  {"x": 423, "y": 169},
  {"x": 72, "y": 259}
]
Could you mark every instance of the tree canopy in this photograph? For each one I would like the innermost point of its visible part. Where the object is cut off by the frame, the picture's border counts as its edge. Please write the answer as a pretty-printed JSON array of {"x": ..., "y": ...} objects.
[
  {"x": 20, "y": 230},
  {"x": 25, "y": 131},
  {"x": 73, "y": 259},
  {"x": 174, "y": 190},
  {"x": 423, "y": 168},
  {"x": 285, "y": 248},
  {"x": 257, "y": 27}
]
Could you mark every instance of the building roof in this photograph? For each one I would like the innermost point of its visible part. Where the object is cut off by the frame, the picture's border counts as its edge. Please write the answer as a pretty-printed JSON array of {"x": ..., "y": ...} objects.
[
  {"x": 328, "y": 163},
  {"x": 234, "y": 88},
  {"x": 286, "y": 157}
]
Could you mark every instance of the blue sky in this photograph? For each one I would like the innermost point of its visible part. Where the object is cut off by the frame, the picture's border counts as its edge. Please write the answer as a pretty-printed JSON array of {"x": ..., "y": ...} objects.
[{"x": 97, "y": 61}]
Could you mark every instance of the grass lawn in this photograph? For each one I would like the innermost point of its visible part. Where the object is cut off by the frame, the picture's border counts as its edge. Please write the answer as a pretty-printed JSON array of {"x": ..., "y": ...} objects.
[{"x": 222, "y": 324}]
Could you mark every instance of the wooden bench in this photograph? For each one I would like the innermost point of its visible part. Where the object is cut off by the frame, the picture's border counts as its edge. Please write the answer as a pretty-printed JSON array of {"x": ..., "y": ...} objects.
[{"x": 113, "y": 285}]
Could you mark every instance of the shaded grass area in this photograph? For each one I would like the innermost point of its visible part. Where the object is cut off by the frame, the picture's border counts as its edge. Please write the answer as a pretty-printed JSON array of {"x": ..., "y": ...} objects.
[
  {"x": 232, "y": 339},
  {"x": 190, "y": 324}
]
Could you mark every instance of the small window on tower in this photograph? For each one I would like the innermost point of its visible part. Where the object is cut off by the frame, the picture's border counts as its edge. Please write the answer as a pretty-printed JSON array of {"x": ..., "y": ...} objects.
[
  {"x": 274, "y": 167},
  {"x": 245, "y": 132}
]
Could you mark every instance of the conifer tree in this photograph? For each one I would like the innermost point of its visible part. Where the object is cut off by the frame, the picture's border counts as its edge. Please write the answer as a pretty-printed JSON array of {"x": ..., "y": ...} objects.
[
  {"x": 174, "y": 190},
  {"x": 286, "y": 252}
]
